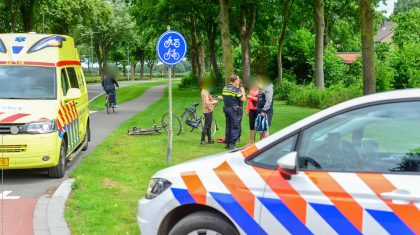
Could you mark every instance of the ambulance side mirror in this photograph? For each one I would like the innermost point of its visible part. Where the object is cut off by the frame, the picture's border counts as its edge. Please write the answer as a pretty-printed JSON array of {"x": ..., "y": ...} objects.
[
  {"x": 288, "y": 165},
  {"x": 73, "y": 94}
]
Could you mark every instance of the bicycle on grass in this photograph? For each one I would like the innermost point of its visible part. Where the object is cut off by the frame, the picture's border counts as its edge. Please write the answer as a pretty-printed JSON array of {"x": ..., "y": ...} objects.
[
  {"x": 190, "y": 117},
  {"x": 155, "y": 129}
]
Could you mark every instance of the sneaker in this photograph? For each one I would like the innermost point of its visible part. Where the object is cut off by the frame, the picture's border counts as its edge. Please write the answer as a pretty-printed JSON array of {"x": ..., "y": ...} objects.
[
  {"x": 232, "y": 146},
  {"x": 115, "y": 106},
  {"x": 203, "y": 143},
  {"x": 211, "y": 142}
]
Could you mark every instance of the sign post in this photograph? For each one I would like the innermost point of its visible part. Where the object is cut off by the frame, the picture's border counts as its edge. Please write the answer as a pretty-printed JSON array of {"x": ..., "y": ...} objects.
[{"x": 171, "y": 49}]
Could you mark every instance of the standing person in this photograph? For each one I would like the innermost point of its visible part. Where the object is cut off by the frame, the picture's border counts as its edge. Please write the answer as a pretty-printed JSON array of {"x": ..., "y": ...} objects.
[
  {"x": 208, "y": 106},
  {"x": 108, "y": 84},
  {"x": 265, "y": 101},
  {"x": 241, "y": 114},
  {"x": 251, "y": 110},
  {"x": 232, "y": 96}
]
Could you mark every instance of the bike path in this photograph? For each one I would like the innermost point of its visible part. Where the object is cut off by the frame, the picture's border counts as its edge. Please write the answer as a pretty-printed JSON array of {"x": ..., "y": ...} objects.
[{"x": 23, "y": 188}]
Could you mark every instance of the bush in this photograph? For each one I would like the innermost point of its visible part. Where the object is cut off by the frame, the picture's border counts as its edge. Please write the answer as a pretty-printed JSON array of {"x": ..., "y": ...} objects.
[
  {"x": 310, "y": 96},
  {"x": 283, "y": 89},
  {"x": 189, "y": 81},
  {"x": 334, "y": 69}
]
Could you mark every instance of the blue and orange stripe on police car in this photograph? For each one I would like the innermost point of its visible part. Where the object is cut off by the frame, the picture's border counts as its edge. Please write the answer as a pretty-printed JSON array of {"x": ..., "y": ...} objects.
[
  {"x": 410, "y": 214},
  {"x": 195, "y": 187}
]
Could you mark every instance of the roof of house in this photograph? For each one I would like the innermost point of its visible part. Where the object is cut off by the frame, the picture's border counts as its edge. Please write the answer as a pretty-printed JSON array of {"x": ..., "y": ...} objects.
[
  {"x": 385, "y": 30},
  {"x": 348, "y": 57}
]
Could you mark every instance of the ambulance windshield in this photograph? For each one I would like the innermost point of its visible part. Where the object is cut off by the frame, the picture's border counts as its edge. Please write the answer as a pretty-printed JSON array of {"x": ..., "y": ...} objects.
[{"x": 27, "y": 82}]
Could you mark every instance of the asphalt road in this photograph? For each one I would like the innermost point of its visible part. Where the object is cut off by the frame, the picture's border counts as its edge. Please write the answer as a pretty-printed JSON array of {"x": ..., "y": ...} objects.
[
  {"x": 22, "y": 188},
  {"x": 95, "y": 90}
]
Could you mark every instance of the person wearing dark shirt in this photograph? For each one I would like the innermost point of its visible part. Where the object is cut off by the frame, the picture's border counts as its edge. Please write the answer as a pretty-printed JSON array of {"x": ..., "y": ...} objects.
[
  {"x": 108, "y": 84},
  {"x": 233, "y": 96}
]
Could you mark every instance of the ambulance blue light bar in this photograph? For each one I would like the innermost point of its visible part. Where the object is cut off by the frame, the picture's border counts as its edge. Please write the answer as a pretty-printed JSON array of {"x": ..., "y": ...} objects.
[
  {"x": 53, "y": 41},
  {"x": 2, "y": 47}
]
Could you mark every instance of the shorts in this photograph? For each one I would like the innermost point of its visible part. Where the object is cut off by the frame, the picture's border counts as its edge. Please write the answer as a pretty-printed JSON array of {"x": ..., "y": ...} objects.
[{"x": 252, "y": 116}]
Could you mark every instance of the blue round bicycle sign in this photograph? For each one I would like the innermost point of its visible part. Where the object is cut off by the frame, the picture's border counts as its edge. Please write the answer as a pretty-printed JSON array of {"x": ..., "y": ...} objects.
[{"x": 171, "y": 48}]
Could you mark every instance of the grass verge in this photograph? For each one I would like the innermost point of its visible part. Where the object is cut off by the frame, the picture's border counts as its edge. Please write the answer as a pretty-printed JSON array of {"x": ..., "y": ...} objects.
[
  {"x": 124, "y": 94},
  {"x": 115, "y": 175}
]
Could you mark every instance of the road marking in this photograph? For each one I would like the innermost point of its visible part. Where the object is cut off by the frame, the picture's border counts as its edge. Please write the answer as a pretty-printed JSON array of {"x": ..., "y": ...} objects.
[
  {"x": 4, "y": 194},
  {"x": 96, "y": 97},
  {"x": 90, "y": 112}
]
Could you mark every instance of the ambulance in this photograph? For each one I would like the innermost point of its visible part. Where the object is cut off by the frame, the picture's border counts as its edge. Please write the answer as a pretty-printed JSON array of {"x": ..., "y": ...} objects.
[
  {"x": 44, "y": 113},
  {"x": 353, "y": 168}
]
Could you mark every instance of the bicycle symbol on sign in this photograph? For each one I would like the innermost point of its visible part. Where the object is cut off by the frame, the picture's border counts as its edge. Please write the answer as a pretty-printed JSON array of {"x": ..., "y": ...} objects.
[
  {"x": 171, "y": 53},
  {"x": 169, "y": 43}
]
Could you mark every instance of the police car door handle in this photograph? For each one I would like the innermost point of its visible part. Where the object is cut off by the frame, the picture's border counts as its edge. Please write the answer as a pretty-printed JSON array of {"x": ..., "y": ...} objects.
[{"x": 401, "y": 195}]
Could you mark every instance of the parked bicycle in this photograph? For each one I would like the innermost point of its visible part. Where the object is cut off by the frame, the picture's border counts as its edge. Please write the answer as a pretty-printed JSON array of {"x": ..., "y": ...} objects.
[
  {"x": 190, "y": 117},
  {"x": 110, "y": 106}
]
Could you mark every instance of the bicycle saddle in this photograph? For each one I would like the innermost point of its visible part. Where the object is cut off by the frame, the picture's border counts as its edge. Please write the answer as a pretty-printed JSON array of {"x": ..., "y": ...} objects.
[{"x": 195, "y": 104}]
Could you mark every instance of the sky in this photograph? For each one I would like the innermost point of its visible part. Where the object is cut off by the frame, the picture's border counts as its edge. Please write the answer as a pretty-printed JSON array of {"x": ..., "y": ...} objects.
[{"x": 389, "y": 7}]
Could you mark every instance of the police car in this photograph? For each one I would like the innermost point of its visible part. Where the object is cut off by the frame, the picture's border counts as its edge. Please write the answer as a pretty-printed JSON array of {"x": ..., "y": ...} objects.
[{"x": 350, "y": 169}]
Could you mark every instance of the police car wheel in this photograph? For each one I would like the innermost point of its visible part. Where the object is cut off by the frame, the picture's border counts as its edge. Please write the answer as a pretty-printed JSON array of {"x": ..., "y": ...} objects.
[
  {"x": 203, "y": 223},
  {"x": 59, "y": 170}
]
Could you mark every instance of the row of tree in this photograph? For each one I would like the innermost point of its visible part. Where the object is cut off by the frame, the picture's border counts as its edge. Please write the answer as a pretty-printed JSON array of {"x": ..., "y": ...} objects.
[{"x": 224, "y": 36}]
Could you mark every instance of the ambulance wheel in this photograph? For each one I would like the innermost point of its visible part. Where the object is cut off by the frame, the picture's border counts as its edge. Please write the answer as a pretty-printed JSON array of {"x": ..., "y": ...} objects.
[
  {"x": 203, "y": 222},
  {"x": 59, "y": 170},
  {"x": 87, "y": 139}
]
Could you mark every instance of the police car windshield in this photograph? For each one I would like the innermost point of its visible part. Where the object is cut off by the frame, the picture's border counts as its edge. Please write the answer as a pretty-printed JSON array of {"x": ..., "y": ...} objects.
[{"x": 27, "y": 82}]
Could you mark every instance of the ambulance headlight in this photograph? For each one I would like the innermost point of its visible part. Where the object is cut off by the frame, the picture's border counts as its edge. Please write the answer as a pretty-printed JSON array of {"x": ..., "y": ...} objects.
[
  {"x": 42, "y": 127},
  {"x": 2, "y": 47},
  {"x": 156, "y": 187},
  {"x": 52, "y": 41}
]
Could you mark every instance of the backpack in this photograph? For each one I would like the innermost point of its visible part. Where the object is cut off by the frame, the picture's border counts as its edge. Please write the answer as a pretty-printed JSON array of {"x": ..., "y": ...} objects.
[{"x": 261, "y": 124}]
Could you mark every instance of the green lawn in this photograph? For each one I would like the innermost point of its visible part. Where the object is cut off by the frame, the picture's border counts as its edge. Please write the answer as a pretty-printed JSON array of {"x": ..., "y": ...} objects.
[
  {"x": 115, "y": 175},
  {"x": 124, "y": 94}
]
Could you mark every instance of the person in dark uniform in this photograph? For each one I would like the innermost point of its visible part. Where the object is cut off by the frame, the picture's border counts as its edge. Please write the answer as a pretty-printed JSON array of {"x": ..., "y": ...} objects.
[{"x": 233, "y": 96}]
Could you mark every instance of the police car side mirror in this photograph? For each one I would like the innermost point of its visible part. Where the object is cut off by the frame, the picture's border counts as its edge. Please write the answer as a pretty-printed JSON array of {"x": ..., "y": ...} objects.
[
  {"x": 288, "y": 165},
  {"x": 73, "y": 94}
]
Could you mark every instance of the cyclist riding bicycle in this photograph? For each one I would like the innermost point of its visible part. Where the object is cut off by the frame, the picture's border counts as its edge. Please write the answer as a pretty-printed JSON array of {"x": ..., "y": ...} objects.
[{"x": 108, "y": 84}]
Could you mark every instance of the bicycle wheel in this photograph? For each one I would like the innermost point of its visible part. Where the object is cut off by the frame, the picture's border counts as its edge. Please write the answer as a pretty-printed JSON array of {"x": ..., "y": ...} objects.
[
  {"x": 176, "y": 123},
  {"x": 189, "y": 115},
  {"x": 108, "y": 108},
  {"x": 213, "y": 128}
]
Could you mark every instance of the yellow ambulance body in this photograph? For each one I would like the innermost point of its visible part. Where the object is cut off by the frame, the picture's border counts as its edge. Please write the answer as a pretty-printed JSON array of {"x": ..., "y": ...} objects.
[{"x": 44, "y": 113}]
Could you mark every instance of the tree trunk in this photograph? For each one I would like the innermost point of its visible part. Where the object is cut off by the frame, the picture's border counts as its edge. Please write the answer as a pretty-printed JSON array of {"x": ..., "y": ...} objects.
[
  {"x": 319, "y": 44},
  {"x": 246, "y": 60},
  {"x": 27, "y": 10},
  {"x": 368, "y": 56},
  {"x": 280, "y": 61},
  {"x": 151, "y": 71},
  {"x": 211, "y": 38},
  {"x": 246, "y": 29},
  {"x": 142, "y": 65},
  {"x": 326, "y": 31},
  {"x": 286, "y": 16},
  {"x": 202, "y": 62},
  {"x": 133, "y": 71},
  {"x": 226, "y": 44},
  {"x": 195, "y": 53},
  {"x": 10, "y": 5}
]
